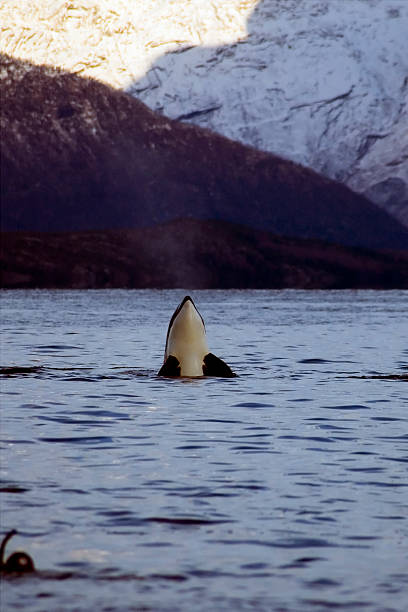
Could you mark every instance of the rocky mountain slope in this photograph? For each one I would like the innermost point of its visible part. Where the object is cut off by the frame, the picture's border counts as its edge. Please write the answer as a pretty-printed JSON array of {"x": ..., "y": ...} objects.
[
  {"x": 115, "y": 42},
  {"x": 191, "y": 253},
  {"x": 323, "y": 83},
  {"x": 78, "y": 155},
  {"x": 320, "y": 82}
]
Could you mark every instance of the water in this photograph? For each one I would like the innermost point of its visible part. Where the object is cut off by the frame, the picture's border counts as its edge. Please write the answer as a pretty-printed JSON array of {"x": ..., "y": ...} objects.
[{"x": 285, "y": 488}]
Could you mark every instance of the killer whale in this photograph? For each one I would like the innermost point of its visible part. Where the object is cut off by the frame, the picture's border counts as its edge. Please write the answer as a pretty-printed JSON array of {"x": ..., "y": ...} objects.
[{"x": 187, "y": 352}]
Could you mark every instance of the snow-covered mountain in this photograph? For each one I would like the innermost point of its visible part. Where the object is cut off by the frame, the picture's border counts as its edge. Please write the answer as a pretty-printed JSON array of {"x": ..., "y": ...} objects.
[
  {"x": 79, "y": 155},
  {"x": 321, "y": 82},
  {"x": 115, "y": 42}
]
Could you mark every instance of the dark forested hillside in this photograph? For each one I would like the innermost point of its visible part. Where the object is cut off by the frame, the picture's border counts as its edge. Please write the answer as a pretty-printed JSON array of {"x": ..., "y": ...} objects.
[
  {"x": 194, "y": 254},
  {"x": 79, "y": 155}
]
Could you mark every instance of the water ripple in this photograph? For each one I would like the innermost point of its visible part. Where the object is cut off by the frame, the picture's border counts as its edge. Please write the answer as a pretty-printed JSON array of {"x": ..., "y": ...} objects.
[
  {"x": 285, "y": 490},
  {"x": 78, "y": 439}
]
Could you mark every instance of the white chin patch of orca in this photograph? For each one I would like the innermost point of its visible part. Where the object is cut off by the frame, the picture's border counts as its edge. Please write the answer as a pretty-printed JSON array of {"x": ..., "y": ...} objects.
[{"x": 187, "y": 352}]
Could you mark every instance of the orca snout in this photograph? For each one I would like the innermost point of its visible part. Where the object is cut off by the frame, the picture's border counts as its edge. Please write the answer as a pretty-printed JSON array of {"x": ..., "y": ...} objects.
[
  {"x": 188, "y": 309},
  {"x": 187, "y": 302}
]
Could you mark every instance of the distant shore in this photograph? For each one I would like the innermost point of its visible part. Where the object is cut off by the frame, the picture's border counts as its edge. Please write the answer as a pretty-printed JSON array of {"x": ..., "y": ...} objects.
[{"x": 195, "y": 254}]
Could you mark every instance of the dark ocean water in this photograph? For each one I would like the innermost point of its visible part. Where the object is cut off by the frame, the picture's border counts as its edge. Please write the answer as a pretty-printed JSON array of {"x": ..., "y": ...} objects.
[{"x": 285, "y": 488}]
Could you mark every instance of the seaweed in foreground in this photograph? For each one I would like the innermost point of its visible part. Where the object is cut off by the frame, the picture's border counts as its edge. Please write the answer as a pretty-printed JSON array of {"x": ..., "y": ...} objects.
[{"x": 18, "y": 562}]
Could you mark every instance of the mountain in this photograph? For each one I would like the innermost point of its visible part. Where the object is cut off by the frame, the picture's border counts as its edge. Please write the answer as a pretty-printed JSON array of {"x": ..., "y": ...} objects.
[
  {"x": 79, "y": 155},
  {"x": 193, "y": 254},
  {"x": 320, "y": 82}
]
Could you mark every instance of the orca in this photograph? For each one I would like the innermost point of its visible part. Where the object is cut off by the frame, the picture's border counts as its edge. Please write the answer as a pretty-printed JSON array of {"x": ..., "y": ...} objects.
[{"x": 187, "y": 352}]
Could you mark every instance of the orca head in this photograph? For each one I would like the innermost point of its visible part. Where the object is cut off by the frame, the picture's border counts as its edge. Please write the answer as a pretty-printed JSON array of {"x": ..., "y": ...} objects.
[
  {"x": 186, "y": 339},
  {"x": 186, "y": 352}
]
